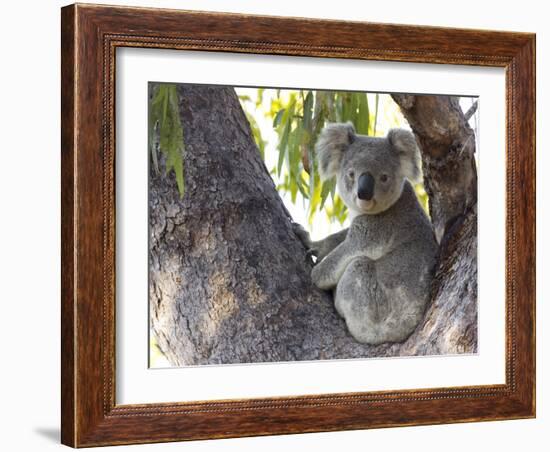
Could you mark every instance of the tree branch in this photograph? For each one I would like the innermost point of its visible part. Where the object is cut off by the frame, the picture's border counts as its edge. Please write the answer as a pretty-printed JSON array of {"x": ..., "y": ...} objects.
[
  {"x": 471, "y": 111},
  {"x": 448, "y": 146}
]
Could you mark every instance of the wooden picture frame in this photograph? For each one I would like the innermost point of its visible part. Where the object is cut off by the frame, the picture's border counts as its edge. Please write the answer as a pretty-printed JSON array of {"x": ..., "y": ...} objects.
[{"x": 90, "y": 36}]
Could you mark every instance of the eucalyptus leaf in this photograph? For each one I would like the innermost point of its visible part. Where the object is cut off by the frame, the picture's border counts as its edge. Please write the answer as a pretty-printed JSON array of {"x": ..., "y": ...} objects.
[
  {"x": 376, "y": 100},
  {"x": 278, "y": 117},
  {"x": 363, "y": 115},
  {"x": 164, "y": 114}
]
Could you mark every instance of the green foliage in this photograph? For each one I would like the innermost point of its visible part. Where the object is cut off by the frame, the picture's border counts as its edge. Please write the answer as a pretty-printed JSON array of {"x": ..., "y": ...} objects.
[
  {"x": 257, "y": 134},
  {"x": 422, "y": 197},
  {"x": 165, "y": 130},
  {"x": 376, "y": 102},
  {"x": 298, "y": 119}
]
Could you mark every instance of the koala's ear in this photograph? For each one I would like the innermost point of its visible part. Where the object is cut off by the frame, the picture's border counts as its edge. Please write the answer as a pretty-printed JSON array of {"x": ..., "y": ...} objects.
[
  {"x": 333, "y": 141},
  {"x": 404, "y": 143}
]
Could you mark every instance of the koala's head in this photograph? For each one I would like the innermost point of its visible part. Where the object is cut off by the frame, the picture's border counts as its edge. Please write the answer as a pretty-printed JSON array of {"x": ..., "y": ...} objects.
[{"x": 370, "y": 171}]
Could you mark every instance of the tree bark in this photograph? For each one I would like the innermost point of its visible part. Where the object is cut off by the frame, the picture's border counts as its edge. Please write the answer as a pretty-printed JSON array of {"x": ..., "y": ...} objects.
[
  {"x": 448, "y": 147},
  {"x": 229, "y": 280}
]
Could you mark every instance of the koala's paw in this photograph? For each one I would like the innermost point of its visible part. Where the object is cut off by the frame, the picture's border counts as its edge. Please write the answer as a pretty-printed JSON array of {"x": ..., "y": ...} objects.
[
  {"x": 317, "y": 278},
  {"x": 305, "y": 238},
  {"x": 302, "y": 234}
]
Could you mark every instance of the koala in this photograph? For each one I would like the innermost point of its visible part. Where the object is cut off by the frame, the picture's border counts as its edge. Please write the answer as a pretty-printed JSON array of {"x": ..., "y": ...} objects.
[{"x": 380, "y": 269}]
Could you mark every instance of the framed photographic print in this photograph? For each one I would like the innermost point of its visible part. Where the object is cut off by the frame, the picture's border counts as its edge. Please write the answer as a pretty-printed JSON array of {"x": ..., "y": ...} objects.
[{"x": 281, "y": 225}]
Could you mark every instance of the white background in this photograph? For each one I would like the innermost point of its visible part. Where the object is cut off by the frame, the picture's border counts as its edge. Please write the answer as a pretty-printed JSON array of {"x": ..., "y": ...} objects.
[
  {"x": 29, "y": 389},
  {"x": 137, "y": 384}
]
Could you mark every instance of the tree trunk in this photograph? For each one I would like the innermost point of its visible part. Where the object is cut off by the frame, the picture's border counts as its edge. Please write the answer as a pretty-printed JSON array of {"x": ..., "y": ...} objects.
[
  {"x": 448, "y": 148},
  {"x": 230, "y": 282}
]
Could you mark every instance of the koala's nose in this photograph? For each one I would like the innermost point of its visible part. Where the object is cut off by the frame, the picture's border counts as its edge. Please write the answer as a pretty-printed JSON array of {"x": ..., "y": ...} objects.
[{"x": 365, "y": 186}]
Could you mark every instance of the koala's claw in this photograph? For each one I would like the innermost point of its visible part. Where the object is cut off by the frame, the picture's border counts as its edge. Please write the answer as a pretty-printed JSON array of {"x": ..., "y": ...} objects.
[
  {"x": 305, "y": 238},
  {"x": 310, "y": 254}
]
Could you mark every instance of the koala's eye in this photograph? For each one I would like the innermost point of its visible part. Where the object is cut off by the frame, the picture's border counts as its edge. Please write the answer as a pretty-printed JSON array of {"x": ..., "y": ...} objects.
[
  {"x": 384, "y": 178},
  {"x": 351, "y": 174}
]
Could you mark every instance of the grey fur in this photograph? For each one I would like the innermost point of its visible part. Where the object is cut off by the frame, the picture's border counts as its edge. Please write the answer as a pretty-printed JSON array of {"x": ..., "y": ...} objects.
[
  {"x": 381, "y": 268},
  {"x": 405, "y": 143},
  {"x": 331, "y": 145}
]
